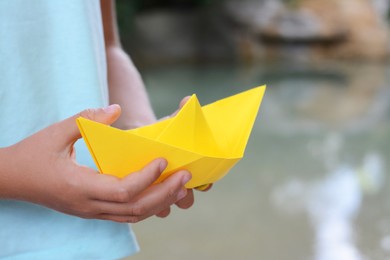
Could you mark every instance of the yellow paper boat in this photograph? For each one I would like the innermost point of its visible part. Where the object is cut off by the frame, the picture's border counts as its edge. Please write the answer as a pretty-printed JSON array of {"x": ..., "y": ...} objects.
[{"x": 207, "y": 141}]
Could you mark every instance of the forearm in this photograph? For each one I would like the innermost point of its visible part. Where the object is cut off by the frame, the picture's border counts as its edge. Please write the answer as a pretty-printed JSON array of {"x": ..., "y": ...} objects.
[
  {"x": 125, "y": 84},
  {"x": 4, "y": 173},
  {"x": 9, "y": 181},
  {"x": 126, "y": 88}
]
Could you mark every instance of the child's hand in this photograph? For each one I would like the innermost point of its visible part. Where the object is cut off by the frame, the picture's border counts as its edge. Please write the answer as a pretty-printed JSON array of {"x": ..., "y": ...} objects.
[
  {"x": 184, "y": 203},
  {"x": 42, "y": 169}
]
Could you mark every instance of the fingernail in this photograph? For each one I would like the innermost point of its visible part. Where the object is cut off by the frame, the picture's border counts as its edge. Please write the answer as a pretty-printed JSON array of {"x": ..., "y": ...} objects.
[
  {"x": 163, "y": 165},
  {"x": 111, "y": 108},
  {"x": 186, "y": 178}
]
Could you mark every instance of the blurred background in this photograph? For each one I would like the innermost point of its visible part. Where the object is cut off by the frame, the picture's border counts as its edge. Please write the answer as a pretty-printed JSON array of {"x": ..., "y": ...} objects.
[{"x": 313, "y": 183}]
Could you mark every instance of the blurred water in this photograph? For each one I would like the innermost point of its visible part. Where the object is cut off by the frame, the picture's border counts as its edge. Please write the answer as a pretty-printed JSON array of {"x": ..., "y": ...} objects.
[{"x": 314, "y": 182}]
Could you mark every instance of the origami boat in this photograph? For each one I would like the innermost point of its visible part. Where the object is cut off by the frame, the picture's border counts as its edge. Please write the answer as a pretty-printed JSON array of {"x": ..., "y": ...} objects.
[{"x": 207, "y": 141}]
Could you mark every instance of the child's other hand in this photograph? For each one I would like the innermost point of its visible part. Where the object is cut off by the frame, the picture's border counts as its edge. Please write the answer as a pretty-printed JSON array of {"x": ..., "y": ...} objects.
[
  {"x": 42, "y": 169},
  {"x": 181, "y": 104}
]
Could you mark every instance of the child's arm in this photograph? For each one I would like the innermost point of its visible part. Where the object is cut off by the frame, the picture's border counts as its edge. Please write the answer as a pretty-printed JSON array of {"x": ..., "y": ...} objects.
[
  {"x": 41, "y": 169},
  {"x": 126, "y": 87},
  {"x": 125, "y": 83}
]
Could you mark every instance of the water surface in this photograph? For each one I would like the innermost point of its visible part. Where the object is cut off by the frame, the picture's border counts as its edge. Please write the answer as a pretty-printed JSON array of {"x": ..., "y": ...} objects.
[{"x": 314, "y": 181}]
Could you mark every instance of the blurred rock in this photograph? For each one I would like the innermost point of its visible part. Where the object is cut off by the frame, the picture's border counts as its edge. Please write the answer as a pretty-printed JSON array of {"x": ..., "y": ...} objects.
[
  {"x": 254, "y": 30},
  {"x": 367, "y": 37},
  {"x": 303, "y": 26},
  {"x": 347, "y": 29}
]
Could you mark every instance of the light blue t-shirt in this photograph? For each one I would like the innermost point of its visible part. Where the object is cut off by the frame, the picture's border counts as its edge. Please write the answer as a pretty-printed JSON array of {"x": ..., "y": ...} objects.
[{"x": 52, "y": 65}]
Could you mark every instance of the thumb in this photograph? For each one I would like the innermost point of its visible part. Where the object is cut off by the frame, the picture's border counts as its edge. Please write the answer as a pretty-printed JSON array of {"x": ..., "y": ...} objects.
[
  {"x": 184, "y": 101},
  {"x": 68, "y": 128},
  {"x": 181, "y": 105}
]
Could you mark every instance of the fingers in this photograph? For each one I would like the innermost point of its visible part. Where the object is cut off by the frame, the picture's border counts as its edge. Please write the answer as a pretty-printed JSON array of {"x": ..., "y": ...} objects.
[
  {"x": 165, "y": 213},
  {"x": 184, "y": 101},
  {"x": 181, "y": 104},
  {"x": 184, "y": 203},
  {"x": 155, "y": 200},
  {"x": 187, "y": 201},
  {"x": 135, "y": 197},
  {"x": 160, "y": 196},
  {"x": 109, "y": 188},
  {"x": 68, "y": 128}
]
